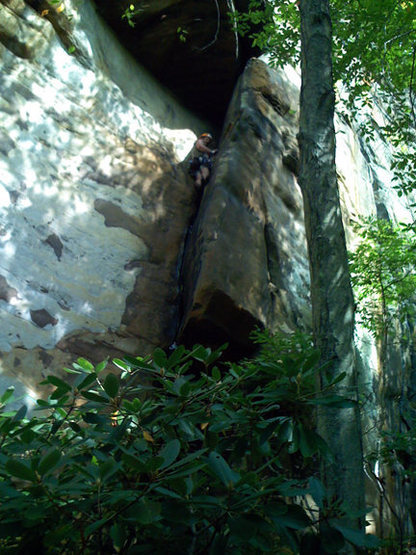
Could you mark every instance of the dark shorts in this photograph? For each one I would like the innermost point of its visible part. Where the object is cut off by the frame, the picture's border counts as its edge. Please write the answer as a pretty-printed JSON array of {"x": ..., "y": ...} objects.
[{"x": 199, "y": 161}]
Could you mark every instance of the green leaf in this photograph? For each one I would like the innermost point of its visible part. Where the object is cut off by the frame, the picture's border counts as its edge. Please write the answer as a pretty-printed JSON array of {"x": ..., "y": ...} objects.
[
  {"x": 118, "y": 535},
  {"x": 222, "y": 470},
  {"x": 311, "y": 361},
  {"x": 176, "y": 356},
  {"x": 59, "y": 393},
  {"x": 295, "y": 518},
  {"x": 216, "y": 374},
  {"x": 215, "y": 355},
  {"x": 28, "y": 436},
  {"x": 207, "y": 500},
  {"x": 187, "y": 472},
  {"x": 101, "y": 366},
  {"x": 93, "y": 418},
  {"x": 48, "y": 461},
  {"x": 139, "y": 362},
  {"x": 276, "y": 509},
  {"x": 20, "y": 414},
  {"x": 85, "y": 364},
  {"x": 121, "y": 364},
  {"x": 188, "y": 459},
  {"x": 292, "y": 488},
  {"x": 268, "y": 431},
  {"x": 95, "y": 526},
  {"x": 317, "y": 491},
  {"x": 111, "y": 385},
  {"x": 356, "y": 537},
  {"x": 245, "y": 527},
  {"x": 118, "y": 432},
  {"x": 332, "y": 539},
  {"x": 43, "y": 403},
  {"x": 153, "y": 464},
  {"x": 132, "y": 462},
  {"x": 159, "y": 358},
  {"x": 57, "y": 382},
  {"x": 92, "y": 396},
  {"x": 7, "y": 395},
  {"x": 307, "y": 443},
  {"x": 338, "y": 379},
  {"x": 20, "y": 470},
  {"x": 169, "y": 493},
  {"x": 146, "y": 512},
  {"x": 83, "y": 382},
  {"x": 169, "y": 453},
  {"x": 200, "y": 353},
  {"x": 108, "y": 468},
  {"x": 294, "y": 444}
]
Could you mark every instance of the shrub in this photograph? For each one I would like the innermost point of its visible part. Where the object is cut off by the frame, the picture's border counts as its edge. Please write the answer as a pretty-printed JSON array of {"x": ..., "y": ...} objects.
[{"x": 177, "y": 454}]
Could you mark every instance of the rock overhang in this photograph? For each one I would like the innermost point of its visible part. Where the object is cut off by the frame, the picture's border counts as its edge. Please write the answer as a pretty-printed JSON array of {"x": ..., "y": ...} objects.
[{"x": 191, "y": 47}]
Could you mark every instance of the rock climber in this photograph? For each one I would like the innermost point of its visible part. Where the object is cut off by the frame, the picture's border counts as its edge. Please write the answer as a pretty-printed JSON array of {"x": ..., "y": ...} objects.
[{"x": 201, "y": 164}]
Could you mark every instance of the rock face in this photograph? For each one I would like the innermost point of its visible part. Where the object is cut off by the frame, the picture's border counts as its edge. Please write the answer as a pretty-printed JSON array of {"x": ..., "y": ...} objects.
[
  {"x": 254, "y": 204},
  {"x": 94, "y": 205},
  {"x": 98, "y": 257}
]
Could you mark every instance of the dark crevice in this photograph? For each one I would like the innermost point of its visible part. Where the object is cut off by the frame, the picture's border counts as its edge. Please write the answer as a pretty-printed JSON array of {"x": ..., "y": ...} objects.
[
  {"x": 221, "y": 322},
  {"x": 276, "y": 103}
]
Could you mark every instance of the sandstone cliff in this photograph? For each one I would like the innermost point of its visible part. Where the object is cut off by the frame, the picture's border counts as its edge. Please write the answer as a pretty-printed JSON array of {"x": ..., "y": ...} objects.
[{"x": 104, "y": 250}]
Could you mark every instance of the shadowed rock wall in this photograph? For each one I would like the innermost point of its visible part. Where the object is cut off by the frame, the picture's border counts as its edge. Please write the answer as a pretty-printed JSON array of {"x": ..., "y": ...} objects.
[{"x": 195, "y": 49}]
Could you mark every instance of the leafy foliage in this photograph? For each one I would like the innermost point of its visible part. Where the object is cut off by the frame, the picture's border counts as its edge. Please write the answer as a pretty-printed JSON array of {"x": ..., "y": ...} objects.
[
  {"x": 383, "y": 273},
  {"x": 399, "y": 448},
  {"x": 174, "y": 453},
  {"x": 374, "y": 44},
  {"x": 373, "y": 48},
  {"x": 130, "y": 14},
  {"x": 273, "y": 27}
]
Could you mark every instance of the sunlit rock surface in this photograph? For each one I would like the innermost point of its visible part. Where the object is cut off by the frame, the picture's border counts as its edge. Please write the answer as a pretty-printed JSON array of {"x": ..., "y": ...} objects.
[{"x": 93, "y": 204}]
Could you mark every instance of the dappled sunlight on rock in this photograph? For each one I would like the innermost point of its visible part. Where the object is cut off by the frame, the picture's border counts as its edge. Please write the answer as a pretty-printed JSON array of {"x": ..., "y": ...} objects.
[{"x": 89, "y": 186}]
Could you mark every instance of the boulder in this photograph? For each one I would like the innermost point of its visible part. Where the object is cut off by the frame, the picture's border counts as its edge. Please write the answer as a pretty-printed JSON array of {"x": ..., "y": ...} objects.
[{"x": 246, "y": 259}]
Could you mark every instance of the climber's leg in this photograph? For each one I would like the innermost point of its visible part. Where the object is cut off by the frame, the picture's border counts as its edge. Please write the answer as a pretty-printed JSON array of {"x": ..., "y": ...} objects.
[{"x": 204, "y": 173}]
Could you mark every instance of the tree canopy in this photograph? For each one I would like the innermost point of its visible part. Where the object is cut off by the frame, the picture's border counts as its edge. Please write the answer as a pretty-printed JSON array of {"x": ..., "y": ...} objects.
[{"x": 373, "y": 47}]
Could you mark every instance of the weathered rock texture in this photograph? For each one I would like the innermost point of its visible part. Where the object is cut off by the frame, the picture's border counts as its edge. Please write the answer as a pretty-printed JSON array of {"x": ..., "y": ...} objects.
[
  {"x": 246, "y": 262},
  {"x": 94, "y": 205}
]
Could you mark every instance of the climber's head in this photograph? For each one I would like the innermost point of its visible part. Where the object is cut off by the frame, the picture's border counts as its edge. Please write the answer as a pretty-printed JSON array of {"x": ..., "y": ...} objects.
[{"x": 206, "y": 137}]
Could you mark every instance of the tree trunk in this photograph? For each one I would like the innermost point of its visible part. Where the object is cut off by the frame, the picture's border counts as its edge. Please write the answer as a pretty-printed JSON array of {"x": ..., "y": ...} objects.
[{"x": 332, "y": 300}]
